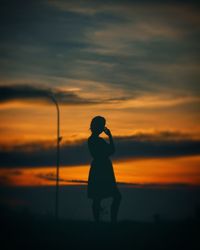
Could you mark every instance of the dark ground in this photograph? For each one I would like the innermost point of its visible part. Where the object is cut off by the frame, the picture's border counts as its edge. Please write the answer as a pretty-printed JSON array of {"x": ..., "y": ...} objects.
[{"x": 21, "y": 230}]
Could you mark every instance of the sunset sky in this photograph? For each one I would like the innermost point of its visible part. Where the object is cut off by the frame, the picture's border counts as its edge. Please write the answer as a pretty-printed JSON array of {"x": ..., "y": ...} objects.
[{"x": 134, "y": 62}]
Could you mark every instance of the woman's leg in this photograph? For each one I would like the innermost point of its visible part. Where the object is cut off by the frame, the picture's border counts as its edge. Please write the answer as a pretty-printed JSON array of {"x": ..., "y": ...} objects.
[
  {"x": 115, "y": 206},
  {"x": 96, "y": 206}
]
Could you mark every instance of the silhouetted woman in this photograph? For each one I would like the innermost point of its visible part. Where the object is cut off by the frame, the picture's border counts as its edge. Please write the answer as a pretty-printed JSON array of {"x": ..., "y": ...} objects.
[{"x": 101, "y": 180}]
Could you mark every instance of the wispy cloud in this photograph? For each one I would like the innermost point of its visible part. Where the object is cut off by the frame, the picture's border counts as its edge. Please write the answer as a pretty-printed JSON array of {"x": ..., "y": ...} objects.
[
  {"x": 119, "y": 43},
  {"x": 52, "y": 177},
  {"x": 158, "y": 101}
]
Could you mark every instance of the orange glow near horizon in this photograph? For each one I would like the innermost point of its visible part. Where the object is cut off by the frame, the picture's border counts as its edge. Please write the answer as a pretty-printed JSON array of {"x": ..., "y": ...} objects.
[
  {"x": 26, "y": 123},
  {"x": 162, "y": 171}
]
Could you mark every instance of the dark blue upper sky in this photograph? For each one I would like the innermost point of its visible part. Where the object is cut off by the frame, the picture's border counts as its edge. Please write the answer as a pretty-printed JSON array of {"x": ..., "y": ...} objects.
[{"x": 136, "y": 46}]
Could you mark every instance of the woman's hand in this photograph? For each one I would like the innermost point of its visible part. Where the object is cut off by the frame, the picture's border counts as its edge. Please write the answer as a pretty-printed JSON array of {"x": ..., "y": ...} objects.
[{"x": 107, "y": 131}]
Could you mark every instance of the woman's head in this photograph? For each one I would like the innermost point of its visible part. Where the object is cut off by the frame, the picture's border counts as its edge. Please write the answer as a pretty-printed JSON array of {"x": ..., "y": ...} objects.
[{"x": 97, "y": 124}]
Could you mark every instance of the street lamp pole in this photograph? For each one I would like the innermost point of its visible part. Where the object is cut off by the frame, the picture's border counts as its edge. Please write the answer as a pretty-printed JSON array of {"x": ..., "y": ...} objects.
[{"x": 57, "y": 158}]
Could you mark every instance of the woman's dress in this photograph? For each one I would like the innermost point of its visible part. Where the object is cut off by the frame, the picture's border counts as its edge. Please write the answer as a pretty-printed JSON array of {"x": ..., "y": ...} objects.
[{"x": 101, "y": 180}]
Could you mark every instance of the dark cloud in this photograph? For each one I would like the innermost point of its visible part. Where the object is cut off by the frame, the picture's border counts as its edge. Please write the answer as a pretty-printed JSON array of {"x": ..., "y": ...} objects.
[
  {"x": 27, "y": 92},
  {"x": 32, "y": 93},
  {"x": 165, "y": 144}
]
